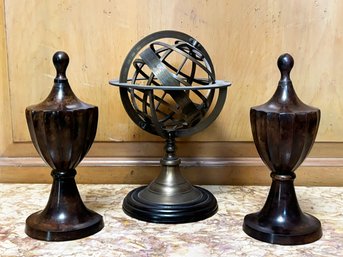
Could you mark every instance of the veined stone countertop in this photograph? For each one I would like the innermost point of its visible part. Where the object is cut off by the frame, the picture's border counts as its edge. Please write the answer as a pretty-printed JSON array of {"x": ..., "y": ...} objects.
[{"x": 220, "y": 235}]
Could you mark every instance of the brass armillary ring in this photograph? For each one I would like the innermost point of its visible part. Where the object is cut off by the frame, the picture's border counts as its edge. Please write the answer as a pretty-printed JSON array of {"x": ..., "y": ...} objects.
[{"x": 167, "y": 84}]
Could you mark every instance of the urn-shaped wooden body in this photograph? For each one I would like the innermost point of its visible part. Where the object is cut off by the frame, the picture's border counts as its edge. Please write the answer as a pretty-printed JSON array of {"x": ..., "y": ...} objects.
[
  {"x": 62, "y": 129},
  {"x": 284, "y": 130}
]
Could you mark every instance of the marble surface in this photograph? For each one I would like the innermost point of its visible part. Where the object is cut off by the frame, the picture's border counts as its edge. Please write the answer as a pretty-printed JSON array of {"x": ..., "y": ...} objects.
[{"x": 220, "y": 235}]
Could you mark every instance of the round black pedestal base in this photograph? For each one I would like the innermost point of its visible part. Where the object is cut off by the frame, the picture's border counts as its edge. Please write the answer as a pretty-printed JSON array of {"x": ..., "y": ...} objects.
[
  {"x": 199, "y": 209},
  {"x": 307, "y": 230},
  {"x": 38, "y": 227}
]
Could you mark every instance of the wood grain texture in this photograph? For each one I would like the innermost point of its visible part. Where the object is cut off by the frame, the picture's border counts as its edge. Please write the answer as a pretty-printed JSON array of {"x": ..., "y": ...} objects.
[
  {"x": 5, "y": 114},
  {"x": 243, "y": 39},
  {"x": 230, "y": 175},
  {"x": 184, "y": 149},
  {"x": 203, "y": 162}
]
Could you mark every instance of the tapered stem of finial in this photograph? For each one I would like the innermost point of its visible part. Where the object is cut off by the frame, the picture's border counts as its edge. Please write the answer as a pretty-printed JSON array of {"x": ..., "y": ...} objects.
[
  {"x": 61, "y": 61},
  {"x": 285, "y": 64}
]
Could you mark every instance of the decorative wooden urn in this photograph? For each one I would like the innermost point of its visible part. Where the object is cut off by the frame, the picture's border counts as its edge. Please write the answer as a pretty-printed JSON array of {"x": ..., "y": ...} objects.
[
  {"x": 284, "y": 130},
  {"x": 62, "y": 129}
]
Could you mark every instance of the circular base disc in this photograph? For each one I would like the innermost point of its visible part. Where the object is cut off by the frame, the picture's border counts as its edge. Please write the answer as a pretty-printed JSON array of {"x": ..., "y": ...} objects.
[
  {"x": 39, "y": 228},
  {"x": 199, "y": 209},
  {"x": 304, "y": 232}
]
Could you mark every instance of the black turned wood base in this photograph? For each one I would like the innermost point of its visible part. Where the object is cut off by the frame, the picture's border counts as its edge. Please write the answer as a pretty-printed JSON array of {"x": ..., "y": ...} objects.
[
  {"x": 201, "y": 208},
  {"x": 309, "y": 231},
  {"x": 281, "y": 220},
  {"x": 65, "y": 217}
]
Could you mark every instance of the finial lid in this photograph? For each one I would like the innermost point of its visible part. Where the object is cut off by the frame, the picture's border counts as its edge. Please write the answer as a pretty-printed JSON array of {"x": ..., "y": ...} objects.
[
  {"x": 61, "y": 61},
  {"x": 285, "y": 63}
]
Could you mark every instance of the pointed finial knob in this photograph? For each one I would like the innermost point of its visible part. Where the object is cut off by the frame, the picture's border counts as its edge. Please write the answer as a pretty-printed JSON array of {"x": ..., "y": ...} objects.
[
  {"x": 61, "y": 61},
  {"x": 285, "y": 64}
]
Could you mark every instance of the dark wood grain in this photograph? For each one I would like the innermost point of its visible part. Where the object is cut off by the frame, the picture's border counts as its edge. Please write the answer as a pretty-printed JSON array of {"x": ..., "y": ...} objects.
[
  {"x": 62, "y": 129},
  {"x": 284, "y": 130}
]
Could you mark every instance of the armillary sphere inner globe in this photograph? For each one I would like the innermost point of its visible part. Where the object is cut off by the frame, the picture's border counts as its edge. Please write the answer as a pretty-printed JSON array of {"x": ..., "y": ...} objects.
[{"x": 167, "y": 84}]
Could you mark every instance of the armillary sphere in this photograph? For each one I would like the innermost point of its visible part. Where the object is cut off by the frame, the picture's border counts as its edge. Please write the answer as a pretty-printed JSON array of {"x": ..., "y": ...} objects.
[
  {"x": 167, "y": 84},
  {"x": 168, "y": 88}
]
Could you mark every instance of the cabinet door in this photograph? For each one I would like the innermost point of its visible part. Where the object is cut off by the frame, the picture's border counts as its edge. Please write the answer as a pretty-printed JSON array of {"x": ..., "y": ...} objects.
[{"x": 243, "y": 39}]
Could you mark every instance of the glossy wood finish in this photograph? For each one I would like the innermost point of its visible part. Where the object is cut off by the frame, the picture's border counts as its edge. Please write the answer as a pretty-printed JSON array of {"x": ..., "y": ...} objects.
[
  {"x": 62, "y": 129},
  {"x": 284, "y": 130}
]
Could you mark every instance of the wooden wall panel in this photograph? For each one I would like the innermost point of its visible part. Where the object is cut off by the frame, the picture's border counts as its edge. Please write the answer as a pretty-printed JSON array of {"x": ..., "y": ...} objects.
[
  {"x": 5, "y": 117},
  {"x": 244, "y": 39}
]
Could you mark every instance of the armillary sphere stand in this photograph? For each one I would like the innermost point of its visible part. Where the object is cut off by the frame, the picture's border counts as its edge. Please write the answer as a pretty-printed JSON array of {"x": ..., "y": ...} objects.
[
  {"x": 170, "y": 198},
  {"x": 164, "y": 105}
]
